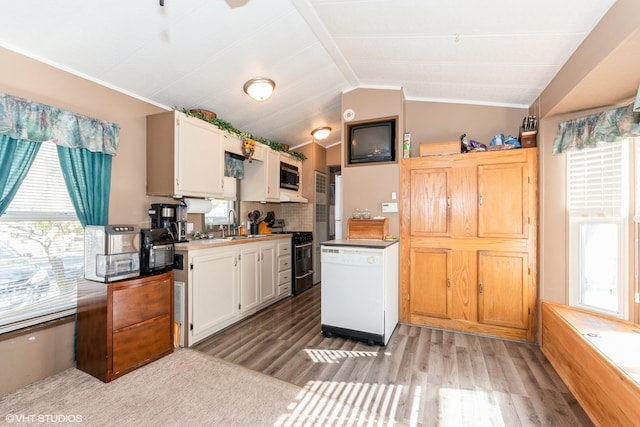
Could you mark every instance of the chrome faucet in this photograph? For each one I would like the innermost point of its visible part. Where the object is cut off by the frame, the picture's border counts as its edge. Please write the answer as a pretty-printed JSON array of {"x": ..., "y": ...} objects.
[{"x": 231, "y": 211}]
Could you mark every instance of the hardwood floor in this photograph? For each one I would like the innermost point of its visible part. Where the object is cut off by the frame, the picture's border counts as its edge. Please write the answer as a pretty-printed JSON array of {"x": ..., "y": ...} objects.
[{"x": 423, "y": 377}]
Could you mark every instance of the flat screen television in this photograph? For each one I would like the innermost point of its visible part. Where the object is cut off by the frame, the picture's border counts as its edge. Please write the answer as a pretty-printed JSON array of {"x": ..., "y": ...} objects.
[{"x": 371, "y": 142}]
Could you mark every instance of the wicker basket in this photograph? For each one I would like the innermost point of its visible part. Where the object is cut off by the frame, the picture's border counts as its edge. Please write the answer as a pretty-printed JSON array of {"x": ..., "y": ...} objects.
[{"x": 206, "y": 113}]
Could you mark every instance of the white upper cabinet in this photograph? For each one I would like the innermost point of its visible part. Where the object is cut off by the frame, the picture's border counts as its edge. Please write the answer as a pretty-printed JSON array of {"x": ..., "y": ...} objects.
[
  {"x": 185, "y": 156},
  {"x": 261, "y": 181}
]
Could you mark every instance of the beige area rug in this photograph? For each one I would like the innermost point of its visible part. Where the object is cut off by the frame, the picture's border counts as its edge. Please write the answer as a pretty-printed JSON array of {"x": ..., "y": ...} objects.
[{"x": 186, "y": 388}]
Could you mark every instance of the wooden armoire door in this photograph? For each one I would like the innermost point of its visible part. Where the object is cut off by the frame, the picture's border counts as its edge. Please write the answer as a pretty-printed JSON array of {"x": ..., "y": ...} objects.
[
  {"x": 430, "y": 292},
  {"x": 503, "y": 289},
  {"x": 503, "y": 200},
  {"x": 430, "y": 202}
]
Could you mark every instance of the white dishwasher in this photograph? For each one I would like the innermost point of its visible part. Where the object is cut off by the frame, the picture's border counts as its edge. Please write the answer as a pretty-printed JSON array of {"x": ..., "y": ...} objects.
[{"x": 359, "y": 289}]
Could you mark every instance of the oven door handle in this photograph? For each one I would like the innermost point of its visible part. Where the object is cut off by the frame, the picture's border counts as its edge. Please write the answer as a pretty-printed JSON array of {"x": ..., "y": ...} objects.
[
  {"x": 309, "y": 273},
  {"x": 303, "y": 245}
]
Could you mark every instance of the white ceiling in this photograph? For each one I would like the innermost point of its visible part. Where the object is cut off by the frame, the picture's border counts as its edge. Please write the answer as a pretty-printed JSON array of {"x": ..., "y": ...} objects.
[{"x": 199, "y": 53}]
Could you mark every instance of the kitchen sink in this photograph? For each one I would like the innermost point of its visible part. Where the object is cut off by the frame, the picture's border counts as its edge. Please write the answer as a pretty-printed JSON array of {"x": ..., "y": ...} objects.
[
  {"x": 244, "y": 236},
  {"x": 238, "y": 237}
]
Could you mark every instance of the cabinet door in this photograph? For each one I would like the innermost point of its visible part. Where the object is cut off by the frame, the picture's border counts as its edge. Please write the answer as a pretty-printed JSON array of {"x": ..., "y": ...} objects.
[
  {"x": 199, "y": 158},
  {"x": 430, "y": 202},
  {"x": 503, "y": 200},
  {"x": 249, "y": 277},
  {"x": 430, "y": 282},
  {"x": 503, "y": 288},
  {"x": 267, "y": 272},
  {"x": 213, "y": 291},
  {"x": 273, "y": 176}
]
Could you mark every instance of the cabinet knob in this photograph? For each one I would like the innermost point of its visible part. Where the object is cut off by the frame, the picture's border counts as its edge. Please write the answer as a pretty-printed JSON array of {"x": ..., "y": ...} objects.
[
  {"x": 481, "y": 287},
  {"x": 448, "y": 201},
  {"x": 448, "y": 282},
  {"x": 480, "y": 200}
]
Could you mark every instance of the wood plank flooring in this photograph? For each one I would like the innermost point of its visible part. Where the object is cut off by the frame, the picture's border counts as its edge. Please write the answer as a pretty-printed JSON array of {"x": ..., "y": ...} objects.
[{"x": 423, "y": 377}]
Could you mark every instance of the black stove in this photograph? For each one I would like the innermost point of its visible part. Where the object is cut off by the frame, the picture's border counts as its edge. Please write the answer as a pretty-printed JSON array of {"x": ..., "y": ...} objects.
[{"x": 299, "y": 237}]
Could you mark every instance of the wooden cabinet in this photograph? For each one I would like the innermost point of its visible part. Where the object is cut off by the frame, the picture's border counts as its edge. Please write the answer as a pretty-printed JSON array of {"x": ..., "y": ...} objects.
[
  {"x": 468, "y": 239},
  {"x": 185, "y": 156},
  {"x": 124, "y": 325}
]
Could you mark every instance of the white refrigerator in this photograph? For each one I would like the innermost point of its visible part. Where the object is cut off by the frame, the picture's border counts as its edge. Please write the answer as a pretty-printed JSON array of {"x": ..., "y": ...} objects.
[{"x": 338, "y": 207}]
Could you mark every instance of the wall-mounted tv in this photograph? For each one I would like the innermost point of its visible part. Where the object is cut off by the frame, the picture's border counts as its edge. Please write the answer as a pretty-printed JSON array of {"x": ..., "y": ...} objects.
[{"x": 371, "y": 142}]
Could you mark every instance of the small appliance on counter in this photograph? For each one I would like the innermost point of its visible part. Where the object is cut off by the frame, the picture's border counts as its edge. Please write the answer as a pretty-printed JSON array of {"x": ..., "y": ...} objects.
[
  {"x": 171, "y": 216},
  {"x": 157, "y": 250},
  {"x": 111, "y": 252}
]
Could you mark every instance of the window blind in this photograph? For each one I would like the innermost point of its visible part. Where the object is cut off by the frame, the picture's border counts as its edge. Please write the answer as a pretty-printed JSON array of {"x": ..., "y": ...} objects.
[
  {"x": 44, "y": 243},
  {"x": 595, "y": 181}
]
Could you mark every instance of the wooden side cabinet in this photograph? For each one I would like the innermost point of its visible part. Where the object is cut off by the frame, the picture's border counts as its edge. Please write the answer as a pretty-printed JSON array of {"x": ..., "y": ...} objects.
[{"x": 123, "y": 325}]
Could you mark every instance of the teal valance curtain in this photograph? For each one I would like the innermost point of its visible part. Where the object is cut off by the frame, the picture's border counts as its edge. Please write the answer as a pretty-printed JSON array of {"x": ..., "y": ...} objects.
[
  {"x": 31, "y": 121},
  {"x": 85, "y": 149},
  {"x": 608, "y": 126}
]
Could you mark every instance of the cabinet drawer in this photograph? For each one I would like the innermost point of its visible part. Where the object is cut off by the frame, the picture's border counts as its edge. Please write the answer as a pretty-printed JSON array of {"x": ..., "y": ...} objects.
[
  {"x": 137, "y": 344},
  {"x": 284, "y": 277},
  {"x": 284, "y": 248},
  {"x": 284, "y": 289},
  {"x": 284, "y": 263},
  {"x": 140, "y": 301}
]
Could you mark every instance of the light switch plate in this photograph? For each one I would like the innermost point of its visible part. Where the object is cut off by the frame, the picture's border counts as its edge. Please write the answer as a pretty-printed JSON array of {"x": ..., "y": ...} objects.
[{"x": 389, "y": 207}]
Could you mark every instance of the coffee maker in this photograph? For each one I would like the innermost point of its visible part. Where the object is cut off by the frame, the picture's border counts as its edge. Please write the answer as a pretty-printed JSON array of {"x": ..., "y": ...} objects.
[{"x": 171, "y": 216}]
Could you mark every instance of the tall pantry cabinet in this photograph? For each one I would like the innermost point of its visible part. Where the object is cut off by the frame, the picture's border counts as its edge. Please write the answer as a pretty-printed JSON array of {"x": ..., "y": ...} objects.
[{"x": 469, "y": 242}]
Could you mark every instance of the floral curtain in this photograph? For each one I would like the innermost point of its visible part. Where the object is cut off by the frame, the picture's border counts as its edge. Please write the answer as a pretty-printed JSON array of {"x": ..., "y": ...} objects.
[
  {"x": 27, "y": 120},
  {"x": 608, "y": 126},
  {"x": 85, "y": 149}
]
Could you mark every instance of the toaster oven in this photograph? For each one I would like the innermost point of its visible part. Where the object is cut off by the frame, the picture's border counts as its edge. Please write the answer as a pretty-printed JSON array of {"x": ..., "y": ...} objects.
[{"x": 156, "y": 250}]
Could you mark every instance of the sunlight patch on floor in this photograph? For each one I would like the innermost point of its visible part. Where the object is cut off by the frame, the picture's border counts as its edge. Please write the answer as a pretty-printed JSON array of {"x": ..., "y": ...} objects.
[
  {"x": 468, "y": 408},
  {"x": 334, "y": 356},
  {"x": 340, "y": 404}
]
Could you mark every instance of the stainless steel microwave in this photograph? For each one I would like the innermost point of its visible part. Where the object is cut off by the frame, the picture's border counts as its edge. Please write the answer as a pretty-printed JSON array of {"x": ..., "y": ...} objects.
[{"x": 289, "y": 176}]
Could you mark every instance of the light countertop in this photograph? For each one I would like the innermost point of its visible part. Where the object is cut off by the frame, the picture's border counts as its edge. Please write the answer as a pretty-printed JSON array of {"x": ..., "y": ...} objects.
[
  {"x": 363, "y": 243},
  {"x": 195, "y": 245}
]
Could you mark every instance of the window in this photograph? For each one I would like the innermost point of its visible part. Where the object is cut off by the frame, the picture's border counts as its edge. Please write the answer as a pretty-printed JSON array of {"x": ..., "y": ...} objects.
[
  {"x": 219, "y": 213},
  {"x": 598, "y": 195},
  {"x": 41, "y": 248}
]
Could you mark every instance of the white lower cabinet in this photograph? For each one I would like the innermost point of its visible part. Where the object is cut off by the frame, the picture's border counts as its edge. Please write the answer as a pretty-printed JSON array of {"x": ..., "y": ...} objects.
[
  {"x": 284, "y": 269},
  {"x": 257, "y": 277},
  {"x": 229, "y": 283},
  {"x": 214, "y": 291}
]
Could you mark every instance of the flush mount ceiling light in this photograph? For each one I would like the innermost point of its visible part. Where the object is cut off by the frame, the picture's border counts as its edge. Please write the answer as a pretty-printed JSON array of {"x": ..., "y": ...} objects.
[
  {"x": 259, "y": 88},
  {"x": 321, "y": 133}
]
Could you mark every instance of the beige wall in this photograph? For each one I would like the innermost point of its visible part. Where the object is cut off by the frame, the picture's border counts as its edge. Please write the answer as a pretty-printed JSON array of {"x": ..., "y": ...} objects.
[
  {"x": 601, "y": 74},
  {"x": 29, "y": 357},
  {"x": 368, "y": 186},
  {"x": 43, "y": 83},
  {"x": 334, "y": 155},
  {"x": 436, "y": 121}
]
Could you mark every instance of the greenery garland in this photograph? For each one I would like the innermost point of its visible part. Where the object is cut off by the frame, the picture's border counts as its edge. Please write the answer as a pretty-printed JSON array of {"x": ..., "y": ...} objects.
[{"x": 228, "y": 127}]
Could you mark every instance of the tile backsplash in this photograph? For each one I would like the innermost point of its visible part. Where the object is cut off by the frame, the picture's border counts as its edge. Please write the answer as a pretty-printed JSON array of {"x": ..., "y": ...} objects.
[{"x": 297, "y": 216}]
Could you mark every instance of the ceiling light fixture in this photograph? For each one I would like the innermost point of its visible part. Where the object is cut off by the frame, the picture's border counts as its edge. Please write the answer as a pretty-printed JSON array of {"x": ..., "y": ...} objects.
[
  {"x": 259, "y": 88},
  {"x": 321, "y": 133}
]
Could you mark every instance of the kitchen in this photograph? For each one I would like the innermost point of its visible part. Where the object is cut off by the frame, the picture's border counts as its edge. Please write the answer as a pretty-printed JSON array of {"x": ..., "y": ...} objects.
[{"x": 128, "y": 203}]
